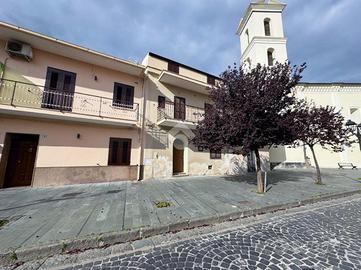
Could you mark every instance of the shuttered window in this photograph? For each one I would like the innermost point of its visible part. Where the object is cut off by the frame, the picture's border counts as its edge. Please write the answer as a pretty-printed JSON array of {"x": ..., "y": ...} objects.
[
  {"x": 123, "y": 95},
  {"x": 215, "y": 154},
  {"x": 161, "y": 102},
  {"x": 173, "y": 67},
  {"x": 179, "y": 108},
  {"x": 119, "y": 151},
  {"x": 211, "y": 80}
]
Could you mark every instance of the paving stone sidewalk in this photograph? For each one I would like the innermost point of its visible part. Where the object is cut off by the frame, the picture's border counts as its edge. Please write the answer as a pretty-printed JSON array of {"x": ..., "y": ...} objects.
[{"x": 52, "y": 220}]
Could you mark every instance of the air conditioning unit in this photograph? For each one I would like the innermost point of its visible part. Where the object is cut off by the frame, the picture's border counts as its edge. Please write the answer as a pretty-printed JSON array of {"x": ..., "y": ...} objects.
[{"x": 19, "y": 49}]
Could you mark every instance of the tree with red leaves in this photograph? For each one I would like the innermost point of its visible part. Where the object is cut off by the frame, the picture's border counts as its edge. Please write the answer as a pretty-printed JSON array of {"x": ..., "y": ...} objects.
[
  {"x": 322, "y": 126},
  {"x": 250, "y": 111}
]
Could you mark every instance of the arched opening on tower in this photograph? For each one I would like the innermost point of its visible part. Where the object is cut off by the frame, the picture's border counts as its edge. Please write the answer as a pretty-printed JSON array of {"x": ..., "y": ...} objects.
[
  {"x": 247, "y": 36},
  {"x": 267, "y": 27},
  {"x": 270, "y": 57}
]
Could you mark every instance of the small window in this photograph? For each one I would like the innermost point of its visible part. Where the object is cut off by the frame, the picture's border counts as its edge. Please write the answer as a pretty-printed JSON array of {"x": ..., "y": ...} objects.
[
  {"x": 173, "y": 67},
  {"x": 123, "y": 95},
  {"x": 267, "y": 27},
  {"x": 207, "y": 107},
  {"x": 247, "y": 36},
  {"x": 161, "y": 102},
  {"x": 215, "y": 154},
  {"x": 211, "y": 80},
  {"x": 270, "y": 57},
  {"x": 119, "y": 151}
]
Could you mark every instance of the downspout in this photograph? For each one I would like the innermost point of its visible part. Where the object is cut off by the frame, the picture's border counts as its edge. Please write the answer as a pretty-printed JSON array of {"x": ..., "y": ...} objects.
[
  {"x": 4, "y": 68},
  {"x": 142, "y": 134}
]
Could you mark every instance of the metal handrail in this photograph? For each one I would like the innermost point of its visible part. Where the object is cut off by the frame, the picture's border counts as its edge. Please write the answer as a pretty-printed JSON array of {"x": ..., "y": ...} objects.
[
  {"x": 23, "y": 94},
  {"x": 192, "y": 114}
]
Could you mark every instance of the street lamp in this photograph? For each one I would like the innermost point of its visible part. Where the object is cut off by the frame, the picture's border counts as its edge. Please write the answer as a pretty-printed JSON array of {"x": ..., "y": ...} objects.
[{"x": 355, "y": 129}]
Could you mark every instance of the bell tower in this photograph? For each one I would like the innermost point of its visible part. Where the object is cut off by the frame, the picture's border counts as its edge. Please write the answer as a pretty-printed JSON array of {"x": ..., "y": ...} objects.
[{"x": 261, "y": 33}]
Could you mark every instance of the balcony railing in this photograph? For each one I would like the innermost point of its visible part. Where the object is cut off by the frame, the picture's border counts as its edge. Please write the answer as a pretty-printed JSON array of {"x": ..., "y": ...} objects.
[
  {"x": 188, "y": 113},
  {"x": 20, "y": 94}
]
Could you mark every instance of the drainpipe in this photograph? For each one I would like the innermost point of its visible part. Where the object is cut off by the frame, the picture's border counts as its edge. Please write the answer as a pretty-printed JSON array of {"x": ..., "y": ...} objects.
[
  {"x": 142, "y": 134},
  {"x": 3, "y": 73}
]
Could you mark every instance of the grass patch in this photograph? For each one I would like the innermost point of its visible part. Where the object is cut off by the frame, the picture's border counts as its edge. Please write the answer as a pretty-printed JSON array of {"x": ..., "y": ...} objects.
[
  {"x": 63, "y": 246},
  {"x": 320, "y": 184},
  {"x": 13, "y": 256},
  {"x": 358, "y": 179},
  {"x": 162, "y": 204},
  {"x": 3, "y": 222}
]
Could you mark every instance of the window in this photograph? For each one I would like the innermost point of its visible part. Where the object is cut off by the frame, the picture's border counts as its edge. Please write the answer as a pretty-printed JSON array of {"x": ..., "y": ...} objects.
[
  {"x": 123, "y": 95},
  {"x": 211, "y": 80},
  {"x": 247, "y": 36},
  {"x": 270, "y": 57},
  {"x": 207, "y": 107},
  {"x": 161, "y": 102},
  {"x": 215, "y": 154},
  {"x": 267, "y": 27},
  {"x": 179, "y": 108},
  {"x": 119, "y": 151},
  {"x": 59, "y": 89},
  {"x": 173, "y": 67}
]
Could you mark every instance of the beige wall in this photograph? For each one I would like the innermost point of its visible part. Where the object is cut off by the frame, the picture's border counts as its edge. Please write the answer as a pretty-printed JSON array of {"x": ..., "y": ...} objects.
[
  {"x": 35, "y": 72},
  {"x": 159, "y": 140},
  {"x": 59, "y": 146}
]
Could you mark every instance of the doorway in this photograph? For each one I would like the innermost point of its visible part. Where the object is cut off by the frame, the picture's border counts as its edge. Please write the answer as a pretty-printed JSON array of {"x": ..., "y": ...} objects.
[
  {"x": 178, "y": 157},
  {"x": 251, "y": 162},
  {"x": 18, "y": 159},
  {"x": 179, "y": 108}
]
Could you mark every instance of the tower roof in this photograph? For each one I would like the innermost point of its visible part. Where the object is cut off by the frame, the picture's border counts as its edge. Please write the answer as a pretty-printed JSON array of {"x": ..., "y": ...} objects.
[{"x": 260, "y": 5}]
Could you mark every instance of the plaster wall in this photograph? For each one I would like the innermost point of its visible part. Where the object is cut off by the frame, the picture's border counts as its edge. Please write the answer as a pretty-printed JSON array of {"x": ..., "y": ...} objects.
[
  {"x": 34, "y": 72},
  {"x": 60, "y": 147}
]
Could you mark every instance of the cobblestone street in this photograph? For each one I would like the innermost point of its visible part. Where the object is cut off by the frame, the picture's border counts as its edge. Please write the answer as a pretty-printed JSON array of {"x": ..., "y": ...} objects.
[{"x": 319, "y": 238}]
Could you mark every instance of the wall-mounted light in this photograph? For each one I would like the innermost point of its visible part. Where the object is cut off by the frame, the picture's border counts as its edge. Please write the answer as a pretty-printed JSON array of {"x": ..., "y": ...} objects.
[
  {"x": 78, "y": 136},
  {"x": 95, "y": 78}
]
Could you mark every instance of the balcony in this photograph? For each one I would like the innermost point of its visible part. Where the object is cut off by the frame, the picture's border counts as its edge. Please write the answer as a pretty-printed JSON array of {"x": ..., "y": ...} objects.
[
  {"x": 19, "y": 98},
  {"x": 184, "y": 82},
  {"x": 181, "y": 117}
]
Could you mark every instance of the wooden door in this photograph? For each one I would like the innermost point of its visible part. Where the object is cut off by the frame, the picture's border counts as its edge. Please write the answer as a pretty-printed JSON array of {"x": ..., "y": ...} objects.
[
  {"x": 178, "y": 157},
  {"x": 21, "y": 160},
  {"x": 179, "y": 108}
]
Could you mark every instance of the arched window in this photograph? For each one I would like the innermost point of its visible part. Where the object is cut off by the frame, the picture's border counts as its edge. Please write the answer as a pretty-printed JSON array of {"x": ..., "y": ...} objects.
[
  {"x": 267, "y": 27},
  {"x": 247, "y": 36},
  {"x": 270, "y": 57},
  {"x": 248, "y": 62}
]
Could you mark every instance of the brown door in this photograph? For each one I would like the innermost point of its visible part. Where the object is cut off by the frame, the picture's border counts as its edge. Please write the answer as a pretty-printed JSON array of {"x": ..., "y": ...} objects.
[
  {"x": 21, "y": 160},
  {"x": 59, "y": 89},
  {"x": 179, "y": 108},
  {"x": 178, "y": 156}
]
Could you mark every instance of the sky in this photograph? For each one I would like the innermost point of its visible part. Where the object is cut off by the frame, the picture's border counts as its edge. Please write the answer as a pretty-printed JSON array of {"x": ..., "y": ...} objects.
[{"x": 326, "y": 34}]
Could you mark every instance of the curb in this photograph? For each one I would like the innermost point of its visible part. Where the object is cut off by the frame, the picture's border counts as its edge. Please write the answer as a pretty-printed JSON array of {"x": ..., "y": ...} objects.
[{"x": 22, "y": 255}]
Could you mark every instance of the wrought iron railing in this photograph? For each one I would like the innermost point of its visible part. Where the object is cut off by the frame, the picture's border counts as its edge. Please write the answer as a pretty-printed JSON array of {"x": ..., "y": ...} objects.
[
  {"x": 20, "y": 94},
  {"x": 191, "y": 113}
]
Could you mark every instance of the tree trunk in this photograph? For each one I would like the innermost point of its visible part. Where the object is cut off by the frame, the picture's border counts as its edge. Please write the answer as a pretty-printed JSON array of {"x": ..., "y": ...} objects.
[
  {"x": 260, "y": 188},
  {"x": 318, "y": 179}
]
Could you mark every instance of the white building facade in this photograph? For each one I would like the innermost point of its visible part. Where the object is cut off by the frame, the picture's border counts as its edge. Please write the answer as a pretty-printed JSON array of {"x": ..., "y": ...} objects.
[{"x": 262, "y": 41}]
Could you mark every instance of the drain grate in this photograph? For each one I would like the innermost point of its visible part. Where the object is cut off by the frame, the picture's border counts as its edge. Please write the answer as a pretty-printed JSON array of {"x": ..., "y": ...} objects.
[
  {"x": 114, "y": 191},
  {"x": 74, "y": 194}
]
